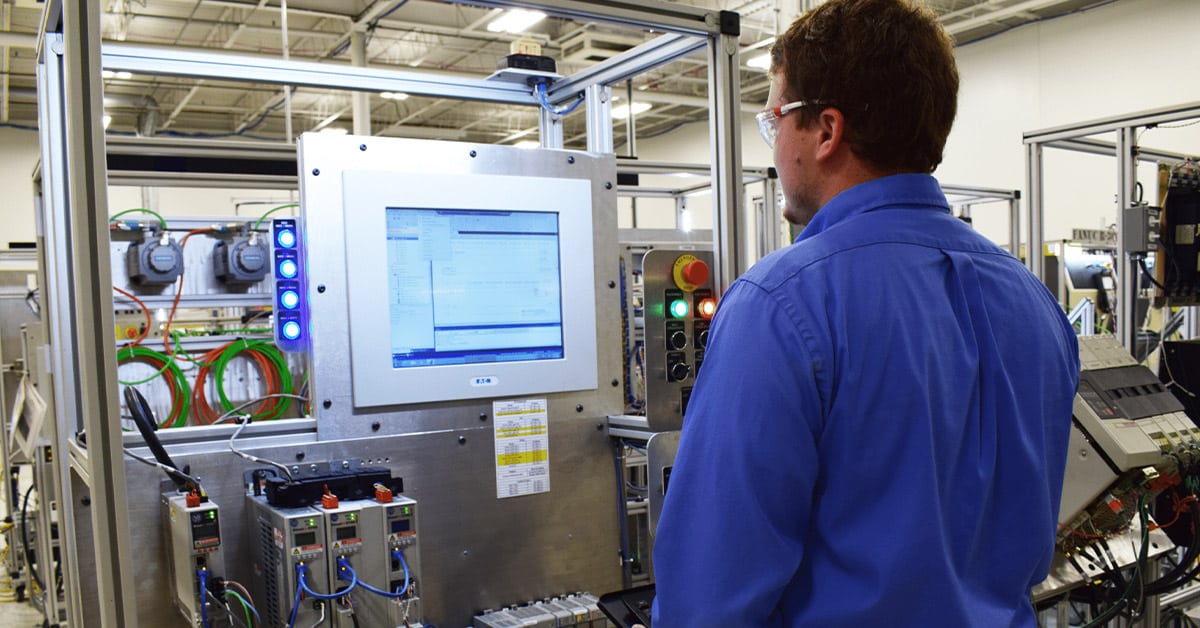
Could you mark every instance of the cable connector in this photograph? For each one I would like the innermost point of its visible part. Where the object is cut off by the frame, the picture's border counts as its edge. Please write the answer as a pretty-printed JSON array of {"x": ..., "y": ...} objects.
[
  {"x": 227, "y": 227},
  {"x": 329, "y": 501},
  {"x": 383, "y": 494}
]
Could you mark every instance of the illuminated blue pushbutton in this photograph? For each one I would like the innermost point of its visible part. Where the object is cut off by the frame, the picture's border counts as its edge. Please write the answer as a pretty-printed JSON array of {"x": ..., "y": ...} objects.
[
  {"x": 288, "y": 269},
  {"x": 286, "y": 238},
  {"x": 291, "y": 330},
  {"x": 289, "y": 299}
]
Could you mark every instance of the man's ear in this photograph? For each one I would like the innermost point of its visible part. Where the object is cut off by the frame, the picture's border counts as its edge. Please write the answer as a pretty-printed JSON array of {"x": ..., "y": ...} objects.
[{"x": 831, "y": 126}]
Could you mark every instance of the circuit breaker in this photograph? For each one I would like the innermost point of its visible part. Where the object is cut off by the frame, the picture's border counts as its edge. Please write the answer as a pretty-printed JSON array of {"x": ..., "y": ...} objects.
[{"x": 680, "y": 301}]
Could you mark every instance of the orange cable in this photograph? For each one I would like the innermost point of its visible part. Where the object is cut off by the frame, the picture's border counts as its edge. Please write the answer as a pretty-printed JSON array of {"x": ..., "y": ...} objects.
[{"x": 145, "y": 310}]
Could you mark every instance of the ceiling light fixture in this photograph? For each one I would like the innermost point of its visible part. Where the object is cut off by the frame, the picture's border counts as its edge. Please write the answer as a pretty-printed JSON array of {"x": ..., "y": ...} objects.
[
  {"x": 393, "y": 96},
  {"x": 515, "y": 21},
  {"x": 622, "y": 111},
  {"x": 528, "y": 144},
  {"x": 760, "y": 62}
]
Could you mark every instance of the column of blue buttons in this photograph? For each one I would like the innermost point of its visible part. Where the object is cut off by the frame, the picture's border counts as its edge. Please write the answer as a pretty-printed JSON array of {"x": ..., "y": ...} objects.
[{"x": 291, "y": 310}]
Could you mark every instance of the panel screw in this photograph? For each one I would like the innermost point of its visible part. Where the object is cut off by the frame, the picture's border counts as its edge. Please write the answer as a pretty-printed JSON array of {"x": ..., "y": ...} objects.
[
  {"x": 299, "y": 458},
  {"x": 482, "y": 416},
  {"x": 375, "y": 426},
  {"x": 312, "y": 468},
  {"x": 316, "y": 172},
  {"x": 362, "y": 147},
  {"x": 615, "y": 383},
  {"x": 296, "y": 469},
  {"x": 462, "y": 440},
  {"x": 345, "y": 464},
  {"x": 321, "y": 288},
  {"x": 570, "y": 159},
  {"x": 85, "y": 500},
  {"x": 328, "y": 403},
  {"x": 612, "y": 284},
  {"x": 579, "y": 408},
  {"x": 608, "y": 185},
  {"x": 473, "y": 153}
]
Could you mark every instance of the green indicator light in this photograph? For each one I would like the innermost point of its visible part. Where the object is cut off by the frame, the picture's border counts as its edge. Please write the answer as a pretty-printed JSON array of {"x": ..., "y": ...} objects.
[
  {"x": 312, "y": 523},
  {"x": 212, "y": 514},
  {"x": 351, "y": 516},
  {"x": 679, "y": 308},
  {"x": 407, "y": 510}
]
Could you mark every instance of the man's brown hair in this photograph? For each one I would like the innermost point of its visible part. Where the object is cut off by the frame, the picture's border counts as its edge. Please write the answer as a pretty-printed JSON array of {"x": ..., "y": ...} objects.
[{"x": 887, "y": 65}]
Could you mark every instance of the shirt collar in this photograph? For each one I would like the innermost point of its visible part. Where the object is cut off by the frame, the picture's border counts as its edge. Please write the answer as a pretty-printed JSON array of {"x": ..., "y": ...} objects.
[{"x": 912, "y": 191}]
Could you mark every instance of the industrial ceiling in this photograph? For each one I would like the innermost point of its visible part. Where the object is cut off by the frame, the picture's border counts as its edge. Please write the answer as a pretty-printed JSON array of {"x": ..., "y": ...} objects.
[{"x": 414, "y": 35}]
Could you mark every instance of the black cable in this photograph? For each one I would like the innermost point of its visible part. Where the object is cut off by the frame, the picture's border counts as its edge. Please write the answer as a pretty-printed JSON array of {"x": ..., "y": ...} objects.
[
  {"x": 1135, "y": 577},
  {"x": 143, "y": 417},
  {"x": 1146, "y": 272},
  {"x": 1180, "y": 574},
  {"x": 25, "y": 540}
]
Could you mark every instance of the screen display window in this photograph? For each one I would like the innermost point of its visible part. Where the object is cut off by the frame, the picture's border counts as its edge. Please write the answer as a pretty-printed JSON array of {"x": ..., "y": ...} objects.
[
  {"x": 473, "y": 286},
  {"x": 346, "y": 532},
  {"x": 304, "y": 539}
]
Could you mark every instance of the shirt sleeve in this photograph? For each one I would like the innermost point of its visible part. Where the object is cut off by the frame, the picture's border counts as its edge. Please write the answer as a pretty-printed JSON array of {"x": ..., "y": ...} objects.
[{"x": 731, "y": 535}]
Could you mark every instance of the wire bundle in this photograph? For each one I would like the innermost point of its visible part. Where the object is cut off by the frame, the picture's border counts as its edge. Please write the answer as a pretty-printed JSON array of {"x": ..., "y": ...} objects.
[
  {"x": 272, "y": 365},
  {"x": 169, "y": 371}
]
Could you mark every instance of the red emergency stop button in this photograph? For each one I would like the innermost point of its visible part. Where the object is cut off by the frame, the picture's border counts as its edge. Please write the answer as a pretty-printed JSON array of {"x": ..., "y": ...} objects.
[
  {"x": 695, "y": 272},
  {"x": 689, "y": 272}
]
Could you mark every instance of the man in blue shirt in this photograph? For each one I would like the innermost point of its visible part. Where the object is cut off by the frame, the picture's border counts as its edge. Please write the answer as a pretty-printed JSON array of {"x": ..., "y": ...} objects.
[{"x": 878, "y": 435}]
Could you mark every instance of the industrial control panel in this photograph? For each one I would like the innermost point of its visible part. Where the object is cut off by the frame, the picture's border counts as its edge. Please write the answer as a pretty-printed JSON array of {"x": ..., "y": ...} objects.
[
  {"x": 1126, "y": 410},
  {"x": 679, "y": 304}
]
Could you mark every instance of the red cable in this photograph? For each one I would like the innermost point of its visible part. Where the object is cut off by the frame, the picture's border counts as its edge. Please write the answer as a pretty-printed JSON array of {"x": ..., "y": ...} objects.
[{"x": 145, "y": 310}]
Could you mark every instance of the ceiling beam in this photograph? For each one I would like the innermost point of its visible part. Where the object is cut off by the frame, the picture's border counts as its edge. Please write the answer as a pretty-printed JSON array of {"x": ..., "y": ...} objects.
[{"x": 991, "y": 17}]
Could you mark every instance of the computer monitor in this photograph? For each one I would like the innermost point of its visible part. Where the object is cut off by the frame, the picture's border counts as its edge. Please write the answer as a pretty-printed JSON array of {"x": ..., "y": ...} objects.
[{"x": 468, "y": 286}]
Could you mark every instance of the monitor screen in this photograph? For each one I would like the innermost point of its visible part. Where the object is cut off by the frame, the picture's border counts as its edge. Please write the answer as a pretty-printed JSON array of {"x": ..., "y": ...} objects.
[
  {"x": 458, "y": 286},
  {"x": 473, "y": 286}
]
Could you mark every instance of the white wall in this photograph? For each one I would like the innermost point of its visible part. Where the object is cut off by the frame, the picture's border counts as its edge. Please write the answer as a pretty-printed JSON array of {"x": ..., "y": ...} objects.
[
  {"x": 18, "y": 155},
  {"x": 1114, "y": 60}
]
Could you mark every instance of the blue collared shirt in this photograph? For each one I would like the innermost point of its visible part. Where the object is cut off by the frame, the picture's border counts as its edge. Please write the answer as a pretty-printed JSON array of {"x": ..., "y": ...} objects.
[{"x": 878, "y": 434}]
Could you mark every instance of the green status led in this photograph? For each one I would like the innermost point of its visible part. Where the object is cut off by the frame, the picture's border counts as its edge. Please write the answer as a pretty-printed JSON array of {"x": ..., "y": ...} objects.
[
  {"x": 312, "y": 523},
  {"x": 679, "y": 308},
  {"x": 407, "y": 510}
]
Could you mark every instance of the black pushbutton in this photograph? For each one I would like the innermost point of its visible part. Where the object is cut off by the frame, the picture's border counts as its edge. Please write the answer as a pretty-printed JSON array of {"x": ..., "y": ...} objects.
[
  {"x": 677, "y": 341},
  {"x": 680, "y": 371}
]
